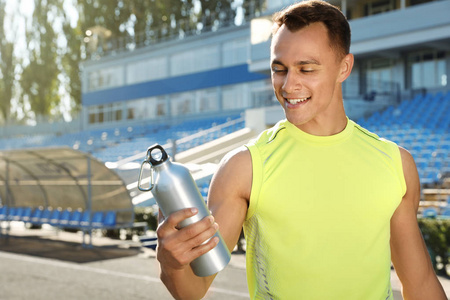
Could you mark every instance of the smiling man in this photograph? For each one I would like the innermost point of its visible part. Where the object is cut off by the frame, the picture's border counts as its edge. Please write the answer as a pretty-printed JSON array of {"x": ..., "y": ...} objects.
[{"x": 325, "y": 204}]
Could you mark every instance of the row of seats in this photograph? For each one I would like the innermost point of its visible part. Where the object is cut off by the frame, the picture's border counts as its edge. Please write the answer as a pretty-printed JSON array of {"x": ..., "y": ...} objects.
[
  {"x": 433, "y": 213},
  {"x": 58, "y": 217},
  {"x": 115, "y": 143},
  {"x": 140, "y": 143},
  {"x": 420, "y": 125}
]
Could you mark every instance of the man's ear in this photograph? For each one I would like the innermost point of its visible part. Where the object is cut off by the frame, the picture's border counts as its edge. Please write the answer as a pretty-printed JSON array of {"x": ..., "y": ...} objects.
[{"x": 346, "y": 67}]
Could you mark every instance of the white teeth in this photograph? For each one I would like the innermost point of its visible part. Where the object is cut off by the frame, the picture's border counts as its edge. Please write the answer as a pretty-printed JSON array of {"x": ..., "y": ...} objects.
[{"x": 295, "y": 101}]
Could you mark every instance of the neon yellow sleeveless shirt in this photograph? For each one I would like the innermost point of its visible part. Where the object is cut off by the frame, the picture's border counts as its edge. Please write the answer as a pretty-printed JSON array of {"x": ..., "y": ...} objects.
[{"x": 318, "y": 223}]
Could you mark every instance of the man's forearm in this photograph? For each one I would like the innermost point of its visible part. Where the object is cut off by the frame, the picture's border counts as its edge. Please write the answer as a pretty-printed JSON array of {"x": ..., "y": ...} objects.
[
  {"x": 431, "y": 288},
  {"x": 184, "y": 284}
]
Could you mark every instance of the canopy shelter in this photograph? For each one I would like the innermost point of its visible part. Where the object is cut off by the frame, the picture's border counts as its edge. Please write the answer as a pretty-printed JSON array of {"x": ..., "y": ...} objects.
[{"x": 62, "y": 178}]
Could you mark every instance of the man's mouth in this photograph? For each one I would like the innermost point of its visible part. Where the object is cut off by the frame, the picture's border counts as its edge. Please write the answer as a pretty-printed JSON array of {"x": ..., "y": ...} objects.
[{"x": 297, "y": 100}]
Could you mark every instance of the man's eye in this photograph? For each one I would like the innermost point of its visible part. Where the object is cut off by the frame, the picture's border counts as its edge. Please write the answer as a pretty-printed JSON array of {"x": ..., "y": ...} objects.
[
  {"x": 307, "y": 71},
  {"x": 277, "y": 70}
]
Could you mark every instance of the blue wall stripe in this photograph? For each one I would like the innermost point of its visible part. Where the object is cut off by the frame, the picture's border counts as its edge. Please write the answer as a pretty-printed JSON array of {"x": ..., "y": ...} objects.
[{"x": 185, "y": 83}]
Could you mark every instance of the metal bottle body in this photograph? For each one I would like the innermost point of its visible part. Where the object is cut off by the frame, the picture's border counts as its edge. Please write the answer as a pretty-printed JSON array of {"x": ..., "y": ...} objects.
[{"x": 175, "y": 189}]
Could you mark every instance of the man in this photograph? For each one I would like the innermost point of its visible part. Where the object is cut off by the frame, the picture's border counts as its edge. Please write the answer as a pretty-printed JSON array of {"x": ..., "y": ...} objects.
[{"x": 324, "y": 203}]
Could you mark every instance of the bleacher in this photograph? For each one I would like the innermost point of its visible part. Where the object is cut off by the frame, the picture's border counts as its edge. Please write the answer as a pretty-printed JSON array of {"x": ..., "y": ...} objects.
[
  {"x": 120, "y": 142},
  {"x": 420, "y": 125},
  {"x": 108, "y": 145},
  {"x": 77, "y": 219}
]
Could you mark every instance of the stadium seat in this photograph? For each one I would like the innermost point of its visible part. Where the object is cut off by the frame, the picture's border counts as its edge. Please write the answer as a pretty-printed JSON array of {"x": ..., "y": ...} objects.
[
  {"x": 54, "y": 217},
  {"x": 110, "y": 219},
  {"x": 65, "y": 217},
  {"x": 75, "y": 219},
  {"x": 46, "y": 214},
  {"x": 17, "y": 216},
  {"x": 12, "y": 211},
  {"x": 85, "y": 218},
  {"x": 445, "y": 214},
  {"x": 429, "y": 213},
  {"x": 36, "y": 215},
  {"x": 97, "y": 219},
  {"x": 26, "y": 216},
  {"x": 3, "y": 212}
]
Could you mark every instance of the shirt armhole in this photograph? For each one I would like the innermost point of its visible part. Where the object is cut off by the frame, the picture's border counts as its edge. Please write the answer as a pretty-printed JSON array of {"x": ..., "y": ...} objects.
[
  {"x": 256, "y": 180},
  {"x": 399, "y": 168}
]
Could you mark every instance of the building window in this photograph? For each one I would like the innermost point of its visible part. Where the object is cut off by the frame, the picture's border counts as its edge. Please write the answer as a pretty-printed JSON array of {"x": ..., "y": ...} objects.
[
  {"x": 182, "y": 104},
  {"x": 105, "y": 78},
  {"x": 378, "y": 7},
  {"x": 235, "y": 52},
  {"x": 194, "y": 61},
  {"x": 428, "y": 69},
  {"x": 234, "y": 97},
  {"x": 207, "y": 100},
  {"x": 147, "y": 70},
  {"x": 379, "y": 75}
]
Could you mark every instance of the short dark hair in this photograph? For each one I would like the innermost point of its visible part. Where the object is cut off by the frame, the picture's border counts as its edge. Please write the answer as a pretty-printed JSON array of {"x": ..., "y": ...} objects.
[{"x": 302, "y": 14}]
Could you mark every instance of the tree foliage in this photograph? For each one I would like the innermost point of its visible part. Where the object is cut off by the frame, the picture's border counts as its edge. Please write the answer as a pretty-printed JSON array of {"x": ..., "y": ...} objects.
[
  {"x": 54, "y": 53},
  {"x": 71, "y": 58},
  {"x": 39, "y": 81},
  {"x": 7, "y": 62}
]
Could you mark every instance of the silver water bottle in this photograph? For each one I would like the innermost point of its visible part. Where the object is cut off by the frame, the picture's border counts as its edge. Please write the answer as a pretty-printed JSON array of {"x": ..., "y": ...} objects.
[{"x": 174, "y": 189}]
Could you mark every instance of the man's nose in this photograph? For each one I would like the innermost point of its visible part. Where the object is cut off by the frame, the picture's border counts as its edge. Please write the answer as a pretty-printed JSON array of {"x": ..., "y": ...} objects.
[{"x": 292, "y": 82}]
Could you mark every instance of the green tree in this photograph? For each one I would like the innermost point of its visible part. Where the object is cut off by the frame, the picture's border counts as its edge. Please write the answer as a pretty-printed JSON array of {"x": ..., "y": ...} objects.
[
  {"x": 71, "y": 58},
  {"x": 7, "y": 63},
  {"x": 39, "y": 81},
  {"x": 107, "y": 20}
]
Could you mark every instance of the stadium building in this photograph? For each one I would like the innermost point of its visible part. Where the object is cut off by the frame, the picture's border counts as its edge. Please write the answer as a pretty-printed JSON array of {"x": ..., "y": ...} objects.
[
  {"x": 400, "y": 47},
  {"x": 206, "y": 92}
]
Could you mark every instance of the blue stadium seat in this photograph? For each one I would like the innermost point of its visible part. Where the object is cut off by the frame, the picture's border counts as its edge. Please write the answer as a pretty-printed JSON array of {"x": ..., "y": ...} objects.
[
  {"x": 85, "y": 218},
  {"x": 445, "y": 214},
  {"x": 11, "y": 213},
  {"x": 75, "y": 219},
  {"x": 55, "y": 216},
  {"x": 110, "y": 219},
  {"x": 3, "y": 212},
  {"x": 65, "y": 217},
  {"x": 97, "y": 219},
  {"x": 17, "y": 216},
  {"x": 46, "y": 214},
  {"x": 429, "y": 213},
  {"x": 26, "y": 216},
  {"x": 36, "y": 215}
]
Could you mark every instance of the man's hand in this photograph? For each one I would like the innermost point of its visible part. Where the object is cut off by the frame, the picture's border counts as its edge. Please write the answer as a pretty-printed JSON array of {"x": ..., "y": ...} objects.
[{"x": 177, "y": 248}]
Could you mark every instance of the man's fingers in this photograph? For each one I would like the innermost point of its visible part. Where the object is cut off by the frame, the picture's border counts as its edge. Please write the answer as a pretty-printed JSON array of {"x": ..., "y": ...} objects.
[
  {"x": 181, "y": 215},
  {"x": 200, "y": 235},
  {"x": 171, "y": 222}
]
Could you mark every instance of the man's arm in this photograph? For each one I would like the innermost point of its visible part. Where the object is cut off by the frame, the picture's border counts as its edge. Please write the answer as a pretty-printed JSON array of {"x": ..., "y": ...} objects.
[
  {"x": 409, "y": 253},
  {"x": 228, "y": 201}
]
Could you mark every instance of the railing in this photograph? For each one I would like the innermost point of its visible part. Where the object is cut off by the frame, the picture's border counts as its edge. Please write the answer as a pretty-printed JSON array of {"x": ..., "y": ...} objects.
[
  {"x": 174, "y": 144},
  {"x": 101, "y": 47}
]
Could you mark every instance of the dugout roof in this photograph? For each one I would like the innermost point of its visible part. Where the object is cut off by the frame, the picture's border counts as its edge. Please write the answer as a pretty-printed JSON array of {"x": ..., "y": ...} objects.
[{"x": 60, "y": 178}]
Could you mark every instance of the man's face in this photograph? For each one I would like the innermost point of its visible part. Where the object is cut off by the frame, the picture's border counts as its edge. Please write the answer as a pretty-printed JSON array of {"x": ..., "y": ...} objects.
[{"x": 306, "y": 74}]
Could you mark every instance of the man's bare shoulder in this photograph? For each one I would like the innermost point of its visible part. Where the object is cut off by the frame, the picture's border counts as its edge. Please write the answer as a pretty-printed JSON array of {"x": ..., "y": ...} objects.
[
  {"x": 237, "y": 156},
  {"x": 234, "y": 174},
  {"x": 411, "y": 177}
]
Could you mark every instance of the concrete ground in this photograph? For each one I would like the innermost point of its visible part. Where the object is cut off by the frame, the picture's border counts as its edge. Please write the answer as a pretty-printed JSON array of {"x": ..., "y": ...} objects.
[{"x": 46, "y": 264}]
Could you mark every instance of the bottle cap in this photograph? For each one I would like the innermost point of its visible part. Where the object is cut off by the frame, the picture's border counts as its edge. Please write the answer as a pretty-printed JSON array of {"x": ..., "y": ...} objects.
[{"x": 157, "y": 155}]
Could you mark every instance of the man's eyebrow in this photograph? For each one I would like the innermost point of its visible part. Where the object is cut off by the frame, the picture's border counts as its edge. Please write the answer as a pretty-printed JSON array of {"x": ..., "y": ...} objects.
[
  {"x": 307, "y": 62},
  {"x": 298, "y": 63},
  {"x": 276, "y": 62}
]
